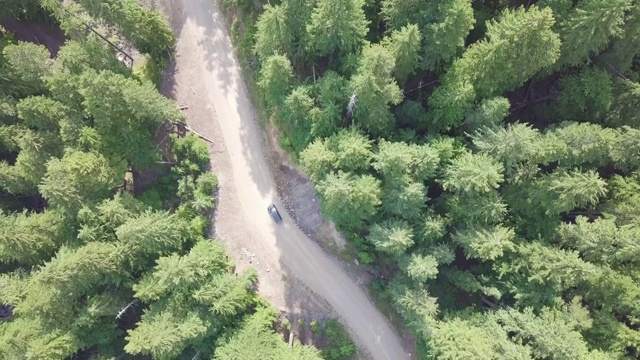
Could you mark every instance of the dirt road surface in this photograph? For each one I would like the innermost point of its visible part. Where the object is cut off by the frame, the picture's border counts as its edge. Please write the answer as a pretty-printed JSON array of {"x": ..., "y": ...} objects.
[{"x": 220, "y": 108}]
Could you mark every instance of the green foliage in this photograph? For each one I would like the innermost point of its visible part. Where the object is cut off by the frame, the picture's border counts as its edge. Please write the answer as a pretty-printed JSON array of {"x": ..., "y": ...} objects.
[
  {"x": 499, "y": 189},
  {"x": 392, "y": 237},
  {"x": 399, "y": 13},
  {"x": 512, "y": 145},
  {"x": 276, "y": 78},
  {"x": 318, "y": 160},
  {"x": 404, "y": 44},
  {"x": 477, "y": 173},
  {"x": 626, "y": 102},
  {"x": 353, "y": 151},
  {"x": 272, "y": 35},
  {"x": 587, "y": 96},
  {"x": 339, "y": 345},
  {"x": 150, "y": 70},
  {"x": 192, "y": 153},
  {"x": 489, "y": 113},
  {"x": 601, "y": 241},
  {"x": 444, "y": 37},
  {"x": 576, "y": 189},
  {"x": 485, "y": 243},
  {"x": 375, "y": 90},
  {"x": 255, "y": 336},
  {"x": 337, "y": 26},
  {"x": 79, "y": 177},
  {"x": 589, "y": 27},
  {"x": 404, "y": 198},
  {"x": 420, "y": 267},
  {"x": 147, "y": 30},
  {"x": 349, "y": 200},
  {"x": 296, "y": 113},
  {"x": 35, "y": 149},
  {"x": 91, "y": 53},
  {"x": 448, "y": 104},
  {"x": 583, "y": 143},
  {"x": 150, "y": 234},
  {"x": 332, "y": 97},
  {"x": 509, "y": 57},
  {"x": 395, "y": 160},
  {"x": 30, "y": 239},
  {"x": 163, "y": 335},
  {"x": 27, "y": 66}
]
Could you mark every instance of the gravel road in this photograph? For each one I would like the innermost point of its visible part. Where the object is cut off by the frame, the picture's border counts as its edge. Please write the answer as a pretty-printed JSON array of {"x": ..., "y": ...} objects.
[{"x": 295, "y": 274}]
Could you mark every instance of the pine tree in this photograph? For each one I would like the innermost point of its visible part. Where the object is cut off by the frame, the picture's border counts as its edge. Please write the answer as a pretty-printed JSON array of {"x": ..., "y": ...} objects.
[
  {"x": 587, "y": 96},
  {"x": 622, "y": 49},
  {"x": 296, "y": 116},
  {"x": 35, "y": 149},
  {"x": 518, "y": 46},
  {"x": 353, "y": 151},
  {"x": 543, "y": 333},
  {"x": 584, "y": 144},
  {"x": 420, "y": 267},
  {"x": 392, "y": 237},
  {"x": 76, "y": 56},
  {"x": 181, "y": 274},
  {"x": 400, "y": 13},
  {"x": 337, "y": 26},
  {"x": 626, "y": 104},
  {"x": 488, "y": 114},
  {"x": 375, "y": 90},
  {"x": 477, "y": 173},
  {"x": 487, "y": 243},
  {"x": 395, "y": 160},
  {"x": 145, "y": 28},
  {"x": 499, "y": 63},
  {"x": 29, "y": 64},
  {"x": 444, "y": 37},
  {"x": 41, "y": 113},
  {"x": 512, "y": 145},
  {"x": 403, "y": 198},
  {"x": 165, "y": 334},
  {"x": 589, "y": 28},
  {"x": 318, "y": 160},
  {"x": 255, "y": 336},
  {"x": 448, "y": 104},
  {"x": 602, "y": 241},
  {"x": 575, "y": 189},
  {"x": 349, "y": 200},
  {"x": 332, "y": 96},
  {"x": 297, "y": 15},
  {"x": 150, "y": 235},
  {"x": 404, "y": 44},
  {"x": 71, "y": 275},
  {"x": 625, "y": 153},
  {"x": 272, "y": 32},
  {"x": 79, "y": 177},
  {"x": 472, "y": 209},
  {"x": 458, "y": 339},
  {"x": 416, "y": 306},
  {"x": 30, "y": 239},
  {"x": 276, "y": 77}
]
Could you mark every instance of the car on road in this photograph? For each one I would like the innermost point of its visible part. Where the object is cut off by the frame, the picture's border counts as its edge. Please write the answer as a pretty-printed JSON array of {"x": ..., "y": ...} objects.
[{"x": 273, "y": 211}]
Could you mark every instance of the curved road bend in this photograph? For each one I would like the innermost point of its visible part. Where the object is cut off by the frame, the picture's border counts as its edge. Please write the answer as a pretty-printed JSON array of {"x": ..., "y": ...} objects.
[{"x": 227, "y": 93}]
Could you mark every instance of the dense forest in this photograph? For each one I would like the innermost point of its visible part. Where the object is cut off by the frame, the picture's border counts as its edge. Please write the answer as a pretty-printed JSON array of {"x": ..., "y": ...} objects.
[
  {"x": 92, "y": 264},
  {"x": 483, "y": 154}
]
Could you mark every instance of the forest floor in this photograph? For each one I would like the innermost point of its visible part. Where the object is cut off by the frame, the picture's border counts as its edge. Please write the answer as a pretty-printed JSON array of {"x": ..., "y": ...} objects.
[{"x": 185, "y": 81}]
